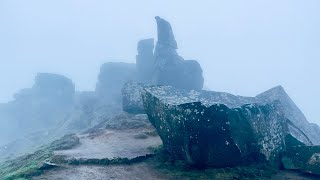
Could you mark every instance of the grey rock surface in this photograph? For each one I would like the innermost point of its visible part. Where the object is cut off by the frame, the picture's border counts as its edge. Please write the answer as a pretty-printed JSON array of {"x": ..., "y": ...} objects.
[
  {"x": 112, "y": 77},
  {"x": 131, "y": 98},
  {"x": 292, "y": 112},
  {"x": 170, "y": 68},
  {"x": 37, "y": 108},
  {"x": 219, "y": 129},
  {"x": 145, "y": 61}
]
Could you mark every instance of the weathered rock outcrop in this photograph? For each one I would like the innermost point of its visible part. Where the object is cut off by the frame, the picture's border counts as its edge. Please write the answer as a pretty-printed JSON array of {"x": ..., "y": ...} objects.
[
  {"x": 163, "y": 67},
  {"x": 38, "y": 108},
  {"x": 54, "y": 86},
  {"x": 303, "y": 158},
  {"x": 46, "y": 103},
  {"x": 145, "y": 61},
  {"x": 170, "y": 68},
  {"x": 219, "y": 129},
  {"x": 112, "y": 77}
]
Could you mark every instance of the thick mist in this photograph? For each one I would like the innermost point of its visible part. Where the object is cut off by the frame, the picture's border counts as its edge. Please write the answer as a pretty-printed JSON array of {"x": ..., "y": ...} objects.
[{"x": 244, "y": 47}]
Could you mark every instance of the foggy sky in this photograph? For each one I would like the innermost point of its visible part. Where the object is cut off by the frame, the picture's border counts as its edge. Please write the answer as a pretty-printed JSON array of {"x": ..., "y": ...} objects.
[{"x": 244, "y": 47}]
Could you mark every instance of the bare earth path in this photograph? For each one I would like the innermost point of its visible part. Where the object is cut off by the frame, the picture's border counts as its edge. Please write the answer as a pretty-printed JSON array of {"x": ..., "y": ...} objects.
[
  {"x": 112, "y": 144},
  {"x": 124, "y": 143}
]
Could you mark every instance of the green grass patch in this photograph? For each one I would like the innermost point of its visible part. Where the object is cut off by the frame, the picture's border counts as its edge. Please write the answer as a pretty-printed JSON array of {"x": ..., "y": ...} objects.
[{"x": 27, "y": 166}]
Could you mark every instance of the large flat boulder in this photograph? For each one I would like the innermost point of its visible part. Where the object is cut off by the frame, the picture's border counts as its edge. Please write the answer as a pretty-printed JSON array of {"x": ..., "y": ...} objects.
[{"x": 219, "y": 129}]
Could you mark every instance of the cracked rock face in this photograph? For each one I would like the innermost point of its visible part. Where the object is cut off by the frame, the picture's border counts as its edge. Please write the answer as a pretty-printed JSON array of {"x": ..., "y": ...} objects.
[{"x": 218, "y": 129}]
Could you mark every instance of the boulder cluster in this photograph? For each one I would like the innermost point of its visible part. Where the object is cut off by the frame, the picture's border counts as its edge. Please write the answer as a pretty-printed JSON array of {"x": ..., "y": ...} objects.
[
  {"x": 155, "y": 65},
  {"x": 202, "y": 128},
  {"x": 217, "y": 129}
]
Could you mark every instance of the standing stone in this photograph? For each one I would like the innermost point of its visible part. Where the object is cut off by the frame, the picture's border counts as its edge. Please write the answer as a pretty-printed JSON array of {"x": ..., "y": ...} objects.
[{"x": 170, "y": 68}]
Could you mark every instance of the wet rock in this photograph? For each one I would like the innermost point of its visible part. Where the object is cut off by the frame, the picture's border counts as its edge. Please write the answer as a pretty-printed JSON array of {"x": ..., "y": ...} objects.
[
  {"x": 292, "y": 112},
  {"x": 303, "y": 158},
  {"x": 131, "y": 98},
  {"x": 145, "y": 61},
  {"x": 294, "y": 136},
  {"x": 112, "y": 77},
  {"x": 218, "y": 129},
  {"x": 170, "y": 68}
]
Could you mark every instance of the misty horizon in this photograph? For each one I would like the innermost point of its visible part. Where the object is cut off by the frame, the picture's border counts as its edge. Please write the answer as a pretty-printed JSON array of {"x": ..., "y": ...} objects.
[{"x": 240, "y": 53}]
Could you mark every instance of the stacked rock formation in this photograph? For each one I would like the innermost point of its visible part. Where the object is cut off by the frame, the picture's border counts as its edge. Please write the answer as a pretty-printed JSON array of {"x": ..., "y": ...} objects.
[
  {"x": 170, "y": 68},
  {"x": 163, "y": 67}
]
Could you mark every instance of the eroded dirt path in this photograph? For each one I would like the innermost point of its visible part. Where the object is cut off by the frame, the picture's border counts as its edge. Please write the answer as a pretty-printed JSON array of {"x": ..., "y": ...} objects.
[{"x": 112, "y": 144}]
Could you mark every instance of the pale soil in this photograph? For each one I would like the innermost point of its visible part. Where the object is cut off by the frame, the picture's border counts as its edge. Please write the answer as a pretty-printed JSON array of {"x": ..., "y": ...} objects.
[{"x": 112, "y": 144}]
